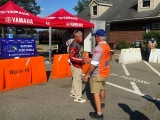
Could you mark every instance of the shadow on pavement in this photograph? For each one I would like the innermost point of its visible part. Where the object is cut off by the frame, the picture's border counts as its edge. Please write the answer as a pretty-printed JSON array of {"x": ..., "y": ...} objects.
[
  {"x": 134, "y": 115},
  {"x": 48, "y": 74},
  {"x": 155, "y": 101},
  {"x": 89, "y": 94},
  {"x": 117, "y": 60}
]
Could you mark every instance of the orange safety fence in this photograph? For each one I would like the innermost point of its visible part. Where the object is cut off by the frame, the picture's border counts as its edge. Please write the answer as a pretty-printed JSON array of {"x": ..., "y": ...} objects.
[
  {"x": 15, "y": 73},
  {"x": 1, "y": 79},
  {"x": 85, "y": 66},
  {"x": 16, "y": 77},
  {"x": 59, "y": 67},
  {"x": 38, "y": 70}
]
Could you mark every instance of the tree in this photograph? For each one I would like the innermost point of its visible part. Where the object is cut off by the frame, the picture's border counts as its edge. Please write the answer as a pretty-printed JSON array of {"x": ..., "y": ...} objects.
[
  {"x": 29, "y": 5},
  {"x": 81, "y": 5}
]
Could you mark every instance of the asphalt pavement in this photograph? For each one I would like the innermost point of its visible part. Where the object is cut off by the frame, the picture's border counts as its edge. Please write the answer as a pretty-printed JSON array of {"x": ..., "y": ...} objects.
[{"x": 129, "y": 97}]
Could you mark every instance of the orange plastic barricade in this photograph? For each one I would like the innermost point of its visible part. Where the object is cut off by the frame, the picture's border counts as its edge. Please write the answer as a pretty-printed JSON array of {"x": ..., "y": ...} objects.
[
  {"x": 85, "y": 66},
  {"x": 69, "y": 73},
  {"x": 1, "y": 79},
  {"x": 38, "y": 70},
  {"x": 9, "y": 63},
  {"x": 59, "y": 67},
  {"x": 16, "y": 77}
]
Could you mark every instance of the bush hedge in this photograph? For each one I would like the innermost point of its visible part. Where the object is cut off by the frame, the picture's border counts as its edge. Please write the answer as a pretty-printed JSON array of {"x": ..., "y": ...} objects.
[
  {"x": 121, "y": 44},
  {"x": 152, "y": 34}
]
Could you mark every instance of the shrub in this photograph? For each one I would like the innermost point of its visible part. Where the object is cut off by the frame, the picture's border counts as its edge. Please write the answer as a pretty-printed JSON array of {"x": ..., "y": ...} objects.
[
  {"x": 121, "y": 44},
  {"x": 152, "y": 34}
]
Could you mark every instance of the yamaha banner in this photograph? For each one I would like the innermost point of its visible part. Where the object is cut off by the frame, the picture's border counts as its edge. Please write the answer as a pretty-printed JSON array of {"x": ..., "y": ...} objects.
[{"x": 17, "y": 47}]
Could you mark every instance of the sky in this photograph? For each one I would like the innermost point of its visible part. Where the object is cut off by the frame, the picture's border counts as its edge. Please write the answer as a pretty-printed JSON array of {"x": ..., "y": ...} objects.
[{"x": 50, "y": 6}]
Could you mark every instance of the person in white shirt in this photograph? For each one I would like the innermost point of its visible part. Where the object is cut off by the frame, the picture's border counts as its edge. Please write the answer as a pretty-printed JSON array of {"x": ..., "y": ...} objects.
[{"x": 151, "y": 45}]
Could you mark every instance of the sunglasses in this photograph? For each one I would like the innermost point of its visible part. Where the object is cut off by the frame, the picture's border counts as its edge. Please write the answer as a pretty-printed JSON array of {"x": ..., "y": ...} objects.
[{"x": 75, "y": 32}]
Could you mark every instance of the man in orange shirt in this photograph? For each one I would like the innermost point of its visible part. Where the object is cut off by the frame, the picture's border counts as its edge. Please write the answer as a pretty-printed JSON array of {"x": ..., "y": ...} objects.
[{"x": 99, "y": 70}]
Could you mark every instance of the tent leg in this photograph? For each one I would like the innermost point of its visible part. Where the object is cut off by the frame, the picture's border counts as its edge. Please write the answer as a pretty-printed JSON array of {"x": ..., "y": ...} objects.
[{"x": 50, "y": 44}]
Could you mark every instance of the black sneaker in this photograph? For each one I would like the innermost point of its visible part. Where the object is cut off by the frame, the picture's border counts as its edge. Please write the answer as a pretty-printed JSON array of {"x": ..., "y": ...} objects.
[
  {"x": 103, "y": 105},
  {"x": 94, "y": 115}
]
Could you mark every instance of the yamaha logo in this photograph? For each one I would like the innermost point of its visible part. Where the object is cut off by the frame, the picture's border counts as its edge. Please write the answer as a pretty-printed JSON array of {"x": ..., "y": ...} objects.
[
  {"x": 8, "y": 19},
  {"x": 47, "y": 23},
  {"x": 74, "y": 24},
  {"x": 2, "y": 12},
  {"x": 67, "y": 24}
]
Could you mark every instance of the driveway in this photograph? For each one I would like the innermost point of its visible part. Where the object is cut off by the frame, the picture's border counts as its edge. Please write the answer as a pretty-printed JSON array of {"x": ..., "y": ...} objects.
[{"x": 132, "y": 94}]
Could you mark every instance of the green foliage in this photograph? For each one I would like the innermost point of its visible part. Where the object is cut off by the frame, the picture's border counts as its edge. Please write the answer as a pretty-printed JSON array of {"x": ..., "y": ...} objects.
[
  {"x": 2, "y": 2},
  {"x": 81, "y": 5},
  {"x": 29, "y": 5},
  {"x": 121, "y": 44},
  {"x": 152, "y": 34}
]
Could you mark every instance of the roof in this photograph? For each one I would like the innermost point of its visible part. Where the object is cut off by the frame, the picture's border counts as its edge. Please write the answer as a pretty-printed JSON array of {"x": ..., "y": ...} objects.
[{"x": 122, "y": 10}]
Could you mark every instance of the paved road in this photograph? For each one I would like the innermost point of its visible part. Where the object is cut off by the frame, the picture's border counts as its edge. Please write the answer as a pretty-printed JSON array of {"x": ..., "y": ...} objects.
[{"x": 131, "y": 90}]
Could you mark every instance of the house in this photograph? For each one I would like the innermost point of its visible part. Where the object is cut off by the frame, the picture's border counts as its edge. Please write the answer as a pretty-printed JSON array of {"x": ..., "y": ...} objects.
[{"x": 129, "y": 19}]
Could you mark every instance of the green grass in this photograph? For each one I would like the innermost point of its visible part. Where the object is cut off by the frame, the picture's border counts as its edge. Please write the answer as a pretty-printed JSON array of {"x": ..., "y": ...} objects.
[
  {"x": 37, "y": 43},
  {"x": 40, "y": 49}
]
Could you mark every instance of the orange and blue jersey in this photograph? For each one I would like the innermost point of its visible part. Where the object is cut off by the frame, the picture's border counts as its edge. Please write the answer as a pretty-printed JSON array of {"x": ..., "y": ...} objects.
[{"x": 100, "y": 58}]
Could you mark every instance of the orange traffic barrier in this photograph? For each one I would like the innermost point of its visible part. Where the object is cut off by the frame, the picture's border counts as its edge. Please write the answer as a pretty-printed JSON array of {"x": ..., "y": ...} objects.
[
  {"x": 16, "y": 73},
  {"x": 69, "y": 73},
  {"x": 16, "y": 77},
  {"x": 59, "y": 67},
  {"x": 38, "y": 70},
  {"x": 9, "y": 63},
  {"x": 1, "y": 79},
  {"x": 85, "y": 66}
]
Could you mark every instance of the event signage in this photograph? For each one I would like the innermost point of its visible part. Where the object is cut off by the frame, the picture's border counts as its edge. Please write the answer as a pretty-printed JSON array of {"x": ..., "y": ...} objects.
[
  {"x": 14, "y": 12},
  {"x": 65, "y": 17},
  {"x": 18, "y": 20},
  {"x": 68, "y": 24},
  {"x": 17, "y": 47}
]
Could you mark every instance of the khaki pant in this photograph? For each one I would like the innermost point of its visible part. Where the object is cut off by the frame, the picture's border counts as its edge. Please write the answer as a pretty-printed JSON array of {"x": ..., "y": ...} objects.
[
  {"x": 77, "y": 81},
  {"x": 97, "y": 84}
]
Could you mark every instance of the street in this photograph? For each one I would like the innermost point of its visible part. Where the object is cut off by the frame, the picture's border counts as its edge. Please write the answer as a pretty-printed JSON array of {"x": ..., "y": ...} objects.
[{"x": 132, "y": 91}]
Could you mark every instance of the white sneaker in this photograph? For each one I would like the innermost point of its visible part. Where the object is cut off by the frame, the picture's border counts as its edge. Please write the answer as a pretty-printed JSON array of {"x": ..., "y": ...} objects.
[
  {"x": 80, "y": 100},
  {"x": 72, "y": 95}
]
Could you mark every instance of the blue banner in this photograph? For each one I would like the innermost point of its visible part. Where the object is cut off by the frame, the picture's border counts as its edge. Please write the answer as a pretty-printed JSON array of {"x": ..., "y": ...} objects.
[{"x": 18, "y": 47}]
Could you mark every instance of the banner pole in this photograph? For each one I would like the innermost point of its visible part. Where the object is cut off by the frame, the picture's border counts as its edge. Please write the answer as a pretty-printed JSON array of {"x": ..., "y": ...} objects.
[{"x": 50, "y": 44}]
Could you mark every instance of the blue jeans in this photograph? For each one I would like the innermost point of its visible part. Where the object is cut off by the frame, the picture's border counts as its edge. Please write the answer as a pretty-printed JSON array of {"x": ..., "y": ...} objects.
[{"x": 149, "y": 51}]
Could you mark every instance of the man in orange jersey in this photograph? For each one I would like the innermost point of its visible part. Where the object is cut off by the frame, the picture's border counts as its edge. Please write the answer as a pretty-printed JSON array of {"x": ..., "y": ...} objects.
[
  {"x": 77, "y": 60},
  {"x": 99, "y": 70}
]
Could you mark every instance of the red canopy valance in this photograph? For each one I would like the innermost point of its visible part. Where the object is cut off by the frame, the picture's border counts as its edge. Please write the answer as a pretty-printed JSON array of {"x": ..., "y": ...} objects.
[
  {"x": 12, "y": 14},
  {"x": 64, "y": 19}
]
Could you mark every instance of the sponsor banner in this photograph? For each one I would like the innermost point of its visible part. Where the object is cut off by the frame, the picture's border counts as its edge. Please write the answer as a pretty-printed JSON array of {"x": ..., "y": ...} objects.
[
  {"x": 18, "y": 47},
  {"x": 72, "y": 24},
  {"x": 18, "y": 20},
  {"x": 63, "y": 18},
  {"x": 14, "y": 12}
]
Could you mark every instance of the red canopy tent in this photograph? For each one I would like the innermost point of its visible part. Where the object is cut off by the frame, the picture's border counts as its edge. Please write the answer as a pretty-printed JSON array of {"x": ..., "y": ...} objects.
[
  {"x": 63, "y": 19},
  {"x": 13, "y": 15}
]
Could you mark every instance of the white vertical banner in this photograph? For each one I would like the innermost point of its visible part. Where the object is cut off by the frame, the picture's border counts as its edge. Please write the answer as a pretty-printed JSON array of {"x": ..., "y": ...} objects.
[
  {"x": 154, "y": 55},
  {"x": 158, "y": 56},
  {"x": 133, "y": 55},
  {"x": 139, "y": 55},
  {"x": 124, "y": 56}
]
